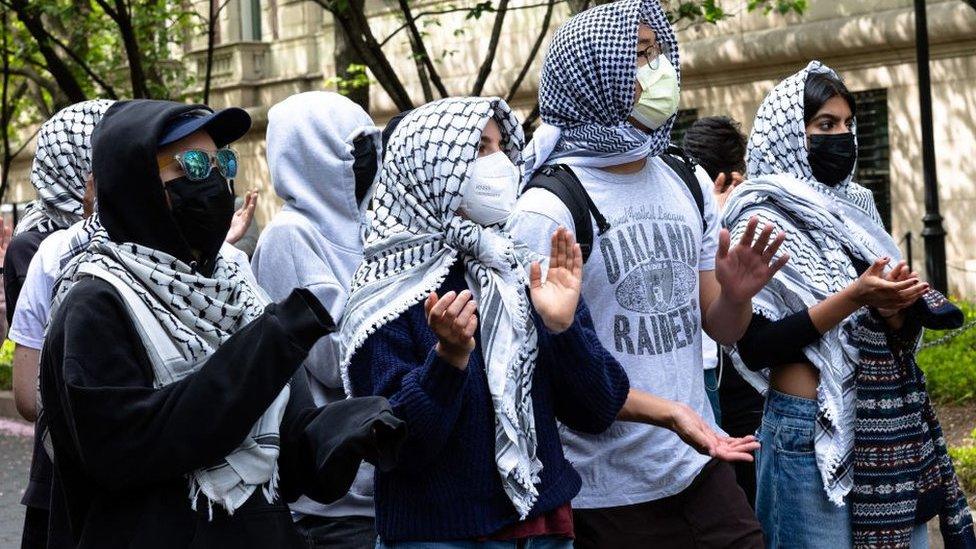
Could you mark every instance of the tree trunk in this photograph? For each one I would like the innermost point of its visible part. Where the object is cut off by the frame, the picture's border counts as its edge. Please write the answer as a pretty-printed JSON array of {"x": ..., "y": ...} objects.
[
  {"x": 212, "y": 14},
  {"x": 345, "y": 55},
  {"x": 68, "y": 84},
  {"x": 356, "y": 26},
  {"x": 137, "y": 75}
]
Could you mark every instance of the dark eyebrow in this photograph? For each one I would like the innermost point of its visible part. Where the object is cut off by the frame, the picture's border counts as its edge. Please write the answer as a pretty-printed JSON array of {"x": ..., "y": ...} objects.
[
  {"x": 647, "y": 41},
  {"x": 828, "y": 116}
]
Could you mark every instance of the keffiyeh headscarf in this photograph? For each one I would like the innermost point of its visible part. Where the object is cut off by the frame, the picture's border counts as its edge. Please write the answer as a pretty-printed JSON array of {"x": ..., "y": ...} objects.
[
  {"x": 871, "y": 398},
  {"x": 586, "y": 91},
  {"x": 415, "y": 236},
  {"x": 61, "y": 167},
  {"x": 182, "y": 318}
]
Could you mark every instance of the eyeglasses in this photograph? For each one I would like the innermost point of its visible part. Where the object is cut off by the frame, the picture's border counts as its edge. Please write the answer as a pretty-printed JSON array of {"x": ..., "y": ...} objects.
[
  {"x": 198, "y": 163},
  {"x": 653, "y": 54}
]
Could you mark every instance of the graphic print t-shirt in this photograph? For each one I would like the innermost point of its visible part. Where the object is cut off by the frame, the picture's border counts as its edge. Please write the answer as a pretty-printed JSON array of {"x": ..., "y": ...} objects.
[{"x": 641, "y": 285}]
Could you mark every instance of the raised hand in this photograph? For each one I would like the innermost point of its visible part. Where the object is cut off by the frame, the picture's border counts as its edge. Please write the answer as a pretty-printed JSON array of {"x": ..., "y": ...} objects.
[
  {"x": 723, "y": 187},
  {"x": 556, "y": 299},
  {"x": 695, "y": 432},
  {"x": 454, "y": 319},
  {"x": 888, "y": 292},
  {"x": 242, "y": 218},
  {"x": 744, "y": 269}
]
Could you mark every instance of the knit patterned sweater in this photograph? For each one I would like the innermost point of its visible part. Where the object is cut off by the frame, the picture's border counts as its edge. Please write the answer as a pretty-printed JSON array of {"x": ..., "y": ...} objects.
[{"x": 446, "y": 485}]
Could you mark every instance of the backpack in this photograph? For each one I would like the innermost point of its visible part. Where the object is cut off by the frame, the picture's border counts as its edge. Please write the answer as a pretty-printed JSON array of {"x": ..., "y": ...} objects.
[{"x": 560, "y": 180}]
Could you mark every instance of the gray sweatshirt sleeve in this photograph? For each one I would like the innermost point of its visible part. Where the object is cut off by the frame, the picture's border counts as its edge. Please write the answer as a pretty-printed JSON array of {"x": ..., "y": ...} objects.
[{"x": 282, "y": 262}]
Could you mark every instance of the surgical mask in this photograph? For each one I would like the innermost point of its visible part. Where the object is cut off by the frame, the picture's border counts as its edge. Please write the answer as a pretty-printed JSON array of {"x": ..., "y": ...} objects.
[
  {"x": 658, "y": 100},
  {"x": 488, "y": 197},
  {"x": 203, "y": 211},
  {"x": 832, "y": 157}
]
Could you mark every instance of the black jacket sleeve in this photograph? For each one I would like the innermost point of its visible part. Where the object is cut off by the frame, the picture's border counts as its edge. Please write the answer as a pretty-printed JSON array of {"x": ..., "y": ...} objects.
[
  {"x": 767, "y": 344},
  {"x": 128, "y": 433},
  {"x": 322, "y": 448}
]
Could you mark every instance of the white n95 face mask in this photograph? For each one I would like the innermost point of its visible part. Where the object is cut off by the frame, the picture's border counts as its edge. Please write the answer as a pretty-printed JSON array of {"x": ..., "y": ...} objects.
[
  {"x": 489, "y": 195},
  {"x": 659, "y": 99}
]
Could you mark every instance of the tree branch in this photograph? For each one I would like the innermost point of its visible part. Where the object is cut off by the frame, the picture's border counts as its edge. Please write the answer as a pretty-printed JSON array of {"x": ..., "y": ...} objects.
[
  {"x": 123, "y": 18},
  {"x": 496, "y": 32},
  {"x": 68, "y": 85},
  {"x": 419, "y": 49},
  {"x": 106, "y": 87},
  {"x": 356, "y": 26},
  {"x": 421, "y": 15},
  {"x": 517, "y": 83}
]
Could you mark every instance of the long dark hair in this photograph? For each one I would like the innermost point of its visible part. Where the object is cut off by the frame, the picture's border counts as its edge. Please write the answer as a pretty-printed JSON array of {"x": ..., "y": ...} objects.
[{"x": 821, "y": 87}]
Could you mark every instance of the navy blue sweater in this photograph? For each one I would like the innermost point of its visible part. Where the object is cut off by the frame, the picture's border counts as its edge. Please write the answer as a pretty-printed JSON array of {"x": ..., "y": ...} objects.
[{"x": 446, "y": 485}]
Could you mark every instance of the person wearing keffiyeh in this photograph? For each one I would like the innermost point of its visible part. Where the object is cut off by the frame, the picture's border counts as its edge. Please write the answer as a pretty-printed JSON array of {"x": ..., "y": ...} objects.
[
  {"x": 852, "y": 452},
  {"x": 60, "y": 172},
  {"x": 660, "y": 273},
  {"x": 450, "y": 319},
  {"x": 166, "y": 378}
]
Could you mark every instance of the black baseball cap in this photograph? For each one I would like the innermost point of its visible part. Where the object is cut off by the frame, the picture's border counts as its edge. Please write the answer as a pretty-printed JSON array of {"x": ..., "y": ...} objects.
[{"x": 224, "y": 126}]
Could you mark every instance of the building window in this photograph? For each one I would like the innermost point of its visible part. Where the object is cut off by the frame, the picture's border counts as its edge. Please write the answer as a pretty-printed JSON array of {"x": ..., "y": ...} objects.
[
  {"x": 684, "y": 120},
  {"x": 251, "y": 20},
  {"x": 873, "y": 168}
]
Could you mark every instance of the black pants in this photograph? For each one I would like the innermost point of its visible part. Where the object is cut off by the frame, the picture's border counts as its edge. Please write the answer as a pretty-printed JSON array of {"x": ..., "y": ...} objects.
[
  {"x": 711, "y": 513},
  {"x": 337, "y": 532}
]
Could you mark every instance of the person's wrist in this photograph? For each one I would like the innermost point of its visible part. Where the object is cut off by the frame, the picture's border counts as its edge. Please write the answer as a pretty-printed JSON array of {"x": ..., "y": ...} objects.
[
  {"x": 852, "y": 295},
  {"x": 557, "y": 326},
  {"x": 455, "y": 356}
]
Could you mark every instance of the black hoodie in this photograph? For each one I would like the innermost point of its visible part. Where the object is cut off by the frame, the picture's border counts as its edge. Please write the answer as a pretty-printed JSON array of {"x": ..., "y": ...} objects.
[{"x": 123, "y": 448}]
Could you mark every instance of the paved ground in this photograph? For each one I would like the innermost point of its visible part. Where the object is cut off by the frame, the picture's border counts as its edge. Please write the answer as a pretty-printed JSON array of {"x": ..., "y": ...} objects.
[{"x": 16, "y": 441}]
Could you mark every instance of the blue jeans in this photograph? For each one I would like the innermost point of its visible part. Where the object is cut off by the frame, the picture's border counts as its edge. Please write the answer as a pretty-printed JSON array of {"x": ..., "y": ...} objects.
[
  {"x": 542, "y": 542},
  {"x": 791, "y": 502}
]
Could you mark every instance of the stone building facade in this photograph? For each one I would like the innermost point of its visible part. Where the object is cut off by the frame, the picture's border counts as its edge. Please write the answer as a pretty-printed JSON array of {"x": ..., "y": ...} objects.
[{"x": 269, "y": 49}]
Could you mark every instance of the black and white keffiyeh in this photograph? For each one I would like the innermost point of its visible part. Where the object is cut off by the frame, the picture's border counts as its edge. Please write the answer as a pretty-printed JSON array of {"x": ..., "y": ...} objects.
[
  {"x": 414, "y": 236},
  {"x": 61, "y": 166},
  {"x": 182, "y": 318},
  {"x": 586, "y": 91}
]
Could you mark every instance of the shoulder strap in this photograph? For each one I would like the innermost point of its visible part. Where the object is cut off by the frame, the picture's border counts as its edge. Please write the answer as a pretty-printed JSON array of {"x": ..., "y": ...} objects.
[
  {"x": 560, "y": 180},
  {"x": 678, "y": 161}
]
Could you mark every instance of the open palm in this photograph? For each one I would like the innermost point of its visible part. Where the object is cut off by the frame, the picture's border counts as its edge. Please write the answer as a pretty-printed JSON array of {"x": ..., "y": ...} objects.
[
  {"x": 556, "y": 299},
  {"x": 744, "y": 269}
]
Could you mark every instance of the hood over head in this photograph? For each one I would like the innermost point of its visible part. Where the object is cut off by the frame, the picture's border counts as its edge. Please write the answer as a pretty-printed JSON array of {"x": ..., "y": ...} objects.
[
  {"x": 131, "y": 200},
  {"x": 310, "y": 156}
]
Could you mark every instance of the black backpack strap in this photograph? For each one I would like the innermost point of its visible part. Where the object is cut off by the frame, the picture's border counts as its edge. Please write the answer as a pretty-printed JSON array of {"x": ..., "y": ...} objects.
[
  {"x": 678, "y": 161},
  {"x": 560, "y": 180}
]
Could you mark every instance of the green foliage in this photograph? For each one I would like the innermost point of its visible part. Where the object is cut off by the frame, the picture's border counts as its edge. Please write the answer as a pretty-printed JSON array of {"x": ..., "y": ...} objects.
[
  {"x": 355, "y": 78},
  {"x": 964, "y": 460},
  {"x": 6, "y": 365},
  {"x": 950, "y": 367}
]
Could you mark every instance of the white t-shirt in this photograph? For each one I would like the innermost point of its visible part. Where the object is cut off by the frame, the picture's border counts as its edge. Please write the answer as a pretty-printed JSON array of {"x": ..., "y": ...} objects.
[
  {"x": 709, "y": 352},
  {"x": 641, "y": 286},
  {"x": 34, "y": 304}
]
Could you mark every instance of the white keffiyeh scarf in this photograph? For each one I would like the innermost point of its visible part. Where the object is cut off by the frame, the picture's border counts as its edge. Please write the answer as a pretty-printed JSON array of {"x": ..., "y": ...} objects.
[
  {"x": 825, "y": 226},
  {"x": 586, "y": 91},
  {"x": 61, "y": 167},
  {"x": 182, "y": 318},
  {"x": 414, "y": 236}
]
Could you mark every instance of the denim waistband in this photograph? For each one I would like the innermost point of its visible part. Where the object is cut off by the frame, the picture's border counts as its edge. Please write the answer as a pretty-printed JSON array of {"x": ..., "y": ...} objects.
[{"x": 790, "y": 406}]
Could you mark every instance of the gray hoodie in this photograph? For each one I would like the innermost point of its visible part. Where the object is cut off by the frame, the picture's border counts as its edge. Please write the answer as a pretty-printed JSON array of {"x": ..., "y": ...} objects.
[{"x": 315, "y": 241}]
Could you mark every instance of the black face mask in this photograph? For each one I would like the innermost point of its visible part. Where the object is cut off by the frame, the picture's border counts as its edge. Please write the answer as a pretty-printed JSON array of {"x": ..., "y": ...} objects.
[
  {"x": 364, "y": 165},
  {"x": 203, "y": 211},
  {"x": 832, "y": 157}
]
